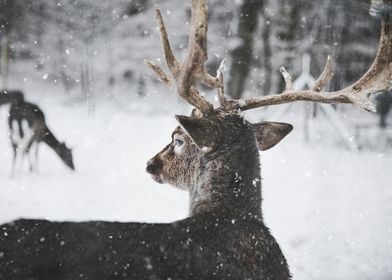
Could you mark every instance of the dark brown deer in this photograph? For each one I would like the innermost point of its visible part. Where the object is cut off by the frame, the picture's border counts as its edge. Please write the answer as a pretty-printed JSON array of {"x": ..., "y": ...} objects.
[
  {"x": 28, "y": 129},
  {"x": 213, "y": 155}
]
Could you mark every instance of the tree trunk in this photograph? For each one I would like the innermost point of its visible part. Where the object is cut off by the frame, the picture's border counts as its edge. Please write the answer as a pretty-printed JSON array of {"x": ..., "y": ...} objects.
[
  {"x": 4, "y": 62},
  {"x": 266, "y": 55},
  {"x": 241, "y": 56},
  {"x": 288, "y": 31}
]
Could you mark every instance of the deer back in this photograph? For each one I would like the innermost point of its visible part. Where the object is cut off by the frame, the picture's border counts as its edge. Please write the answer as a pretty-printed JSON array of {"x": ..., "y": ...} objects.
[{"x": 200, "y": 247}]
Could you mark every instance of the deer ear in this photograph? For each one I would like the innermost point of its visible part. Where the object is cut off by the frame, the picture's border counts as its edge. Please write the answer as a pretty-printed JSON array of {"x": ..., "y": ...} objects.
[
  {"x": 202, "y": 131},
  {"x": 269, "y": 134}
]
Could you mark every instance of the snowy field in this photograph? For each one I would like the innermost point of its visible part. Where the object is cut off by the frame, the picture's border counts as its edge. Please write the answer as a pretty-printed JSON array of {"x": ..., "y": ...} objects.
[{"x": 330, "y": 209}]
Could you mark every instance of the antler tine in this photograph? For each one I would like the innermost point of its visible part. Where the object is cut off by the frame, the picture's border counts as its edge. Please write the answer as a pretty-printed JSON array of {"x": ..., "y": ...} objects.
[
  {"x": 171, "y": 60},
  {"x": 197, "y": 55},
  {"x": 185, "y": 74},
  {"x": 325, "y": 76},
  {"x": 159, "y": 72},
  {"x": 287, "y": 79},
  {"x": 219, "y": 75},
  {"x": 377, "y": 78}
]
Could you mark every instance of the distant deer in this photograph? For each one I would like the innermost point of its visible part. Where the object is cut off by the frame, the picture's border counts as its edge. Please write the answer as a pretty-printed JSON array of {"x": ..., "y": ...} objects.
[
  {"x": 213, "y": 155},
  {"x": 28, "y": 129}
]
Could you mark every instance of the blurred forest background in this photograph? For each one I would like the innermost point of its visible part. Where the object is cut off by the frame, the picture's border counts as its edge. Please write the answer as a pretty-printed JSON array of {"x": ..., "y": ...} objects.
[{"x": 94, "y": 50}]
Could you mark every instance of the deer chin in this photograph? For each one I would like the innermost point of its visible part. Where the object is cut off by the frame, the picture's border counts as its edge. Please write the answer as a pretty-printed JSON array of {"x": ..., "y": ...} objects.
[{"x": 157, "y": 178}]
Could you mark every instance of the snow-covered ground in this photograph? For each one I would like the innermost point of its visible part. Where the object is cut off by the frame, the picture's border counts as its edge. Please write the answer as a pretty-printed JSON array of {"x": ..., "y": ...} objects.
[{"x": 330, "y": 209}]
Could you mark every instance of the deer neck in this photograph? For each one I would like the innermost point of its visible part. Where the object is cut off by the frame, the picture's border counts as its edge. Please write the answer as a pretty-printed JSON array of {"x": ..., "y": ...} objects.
[
  {"x": 229, "y": 184},
  {"x": 51, "y": 140}
]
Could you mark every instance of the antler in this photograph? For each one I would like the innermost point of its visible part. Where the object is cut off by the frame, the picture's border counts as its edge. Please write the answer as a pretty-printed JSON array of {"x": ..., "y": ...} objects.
[
  {"x": 185, "y": 74},
  {"x": 377, "y": 78}
]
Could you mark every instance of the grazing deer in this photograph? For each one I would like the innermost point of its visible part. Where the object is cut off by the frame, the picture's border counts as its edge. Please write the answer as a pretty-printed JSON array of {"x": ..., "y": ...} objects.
[
  {"x": 28, "y": 129},
  {"x": 213, "y": 155}
]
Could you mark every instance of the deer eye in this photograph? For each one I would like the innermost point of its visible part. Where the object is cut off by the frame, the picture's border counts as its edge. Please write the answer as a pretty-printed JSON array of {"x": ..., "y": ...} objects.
[{"x": 178, "y": 142}]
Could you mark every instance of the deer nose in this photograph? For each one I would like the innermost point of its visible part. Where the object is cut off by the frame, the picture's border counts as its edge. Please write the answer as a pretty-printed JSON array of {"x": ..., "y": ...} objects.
[{"x": 154, "y": 166}]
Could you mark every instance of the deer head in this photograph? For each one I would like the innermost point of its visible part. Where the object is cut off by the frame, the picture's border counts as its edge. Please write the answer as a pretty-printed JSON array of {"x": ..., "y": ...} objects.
[
  {"x": 180, "y": 162},
  {"x": 11, "y": 96},
  {"x": 214, "y": 154},
  {"x": 65, "y": 154},
  {"x": 216, "y": 160}
]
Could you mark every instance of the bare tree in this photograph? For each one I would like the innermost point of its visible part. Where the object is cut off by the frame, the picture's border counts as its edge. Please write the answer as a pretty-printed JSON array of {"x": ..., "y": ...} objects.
[{"x": 242, "y": 54}]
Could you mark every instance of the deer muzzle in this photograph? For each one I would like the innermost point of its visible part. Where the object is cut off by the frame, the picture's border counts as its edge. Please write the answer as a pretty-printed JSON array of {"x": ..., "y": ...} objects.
[{"x": 154, "y": 167}]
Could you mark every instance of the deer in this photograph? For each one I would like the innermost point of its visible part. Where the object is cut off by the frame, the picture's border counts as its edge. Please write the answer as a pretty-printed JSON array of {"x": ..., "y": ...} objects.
[
  {"x": 214, "y": 156},
  {"x": 28, "y": 128}
]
